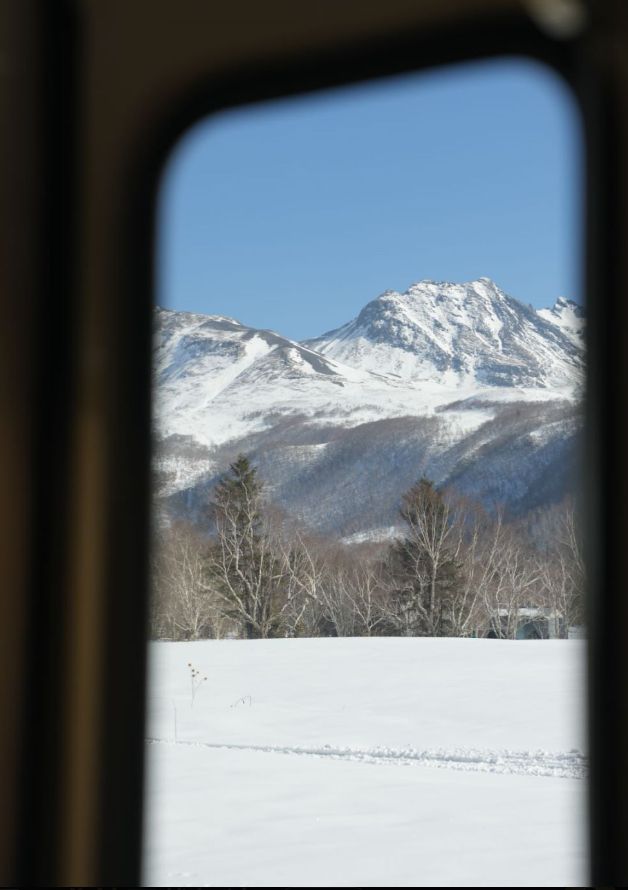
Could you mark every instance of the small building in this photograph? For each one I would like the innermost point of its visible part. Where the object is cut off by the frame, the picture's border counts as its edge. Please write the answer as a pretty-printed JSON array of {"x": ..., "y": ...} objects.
[{"x": 533, "y": 623}]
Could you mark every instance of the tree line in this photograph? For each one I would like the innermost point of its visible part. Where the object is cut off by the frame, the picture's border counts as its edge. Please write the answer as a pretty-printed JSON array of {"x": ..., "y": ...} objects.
[{"x": 456, "y": 570}]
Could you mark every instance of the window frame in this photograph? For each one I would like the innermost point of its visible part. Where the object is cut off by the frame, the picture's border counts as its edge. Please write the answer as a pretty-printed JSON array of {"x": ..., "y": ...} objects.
[{"x": 80, "y": 797}]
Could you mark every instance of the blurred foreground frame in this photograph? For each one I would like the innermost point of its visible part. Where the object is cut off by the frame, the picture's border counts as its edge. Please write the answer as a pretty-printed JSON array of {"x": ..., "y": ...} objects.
[{"x": 94, "y": 94}]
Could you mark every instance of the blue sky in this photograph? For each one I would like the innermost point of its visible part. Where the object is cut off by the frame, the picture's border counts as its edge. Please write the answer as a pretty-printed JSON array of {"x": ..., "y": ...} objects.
[{"x": 294, "y": 214}]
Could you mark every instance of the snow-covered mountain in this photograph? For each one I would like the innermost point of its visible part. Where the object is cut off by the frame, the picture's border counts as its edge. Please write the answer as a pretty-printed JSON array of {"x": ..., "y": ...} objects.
[
  {"x": 465, "y": 333},
  {"x": 569, "y": 317},
  {"x": 451, "y": 380}
]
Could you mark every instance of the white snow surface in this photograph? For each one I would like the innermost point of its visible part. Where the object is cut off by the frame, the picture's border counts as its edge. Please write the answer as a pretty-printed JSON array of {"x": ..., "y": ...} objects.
[{"x": 367, "y": 762}]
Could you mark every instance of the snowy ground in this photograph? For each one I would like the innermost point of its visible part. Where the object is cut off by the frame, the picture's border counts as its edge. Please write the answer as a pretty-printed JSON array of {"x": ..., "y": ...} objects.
[{"x": 356, "y": 762}]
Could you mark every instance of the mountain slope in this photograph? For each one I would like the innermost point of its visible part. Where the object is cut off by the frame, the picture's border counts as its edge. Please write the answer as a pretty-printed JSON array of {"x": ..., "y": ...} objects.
[
  {"x": 460, "y": 332},
  {"x": 460, "y": 382},
  {"x": 568, "y": 317}
]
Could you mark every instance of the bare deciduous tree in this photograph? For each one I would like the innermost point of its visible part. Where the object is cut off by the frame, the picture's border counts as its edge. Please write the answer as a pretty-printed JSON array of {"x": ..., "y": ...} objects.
[
  {"x": 183, "y": 606},
  {"x": 561, "y": 568},
  {"x": 512, "y": 585},
  {"x": 476, "y": 546}
]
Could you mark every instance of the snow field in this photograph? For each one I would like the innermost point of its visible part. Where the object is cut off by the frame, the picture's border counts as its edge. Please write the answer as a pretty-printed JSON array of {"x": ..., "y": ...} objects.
[{"x": 367, "y": 762}]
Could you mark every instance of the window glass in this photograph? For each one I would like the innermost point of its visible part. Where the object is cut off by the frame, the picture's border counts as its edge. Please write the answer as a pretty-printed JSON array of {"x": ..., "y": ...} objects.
[{"x": 367, "y": 634}]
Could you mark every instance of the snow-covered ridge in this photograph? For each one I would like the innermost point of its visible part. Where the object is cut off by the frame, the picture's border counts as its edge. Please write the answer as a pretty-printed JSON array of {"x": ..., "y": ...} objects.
[
  {"x": 404, "y": 354},
  {"x": 461, "y": 330},
  {"x": 457, "y": 381},
  {"x": 568, "y": 317}
]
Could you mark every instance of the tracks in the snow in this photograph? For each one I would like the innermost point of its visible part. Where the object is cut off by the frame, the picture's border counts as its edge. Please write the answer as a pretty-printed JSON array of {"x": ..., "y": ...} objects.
[{"x": 569, "y": 764}]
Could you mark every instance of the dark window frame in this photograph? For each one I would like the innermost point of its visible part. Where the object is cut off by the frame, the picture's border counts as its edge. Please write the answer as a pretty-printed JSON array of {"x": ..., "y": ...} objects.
[{"x": 101, "y": 843}]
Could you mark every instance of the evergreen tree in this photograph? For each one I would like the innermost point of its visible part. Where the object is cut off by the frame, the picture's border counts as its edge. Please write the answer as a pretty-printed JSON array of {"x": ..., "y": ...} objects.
[
  {"x": 237, "y": 498},
  {"x": 244, "y": 567},
  {"x": 423, "y": 564}
]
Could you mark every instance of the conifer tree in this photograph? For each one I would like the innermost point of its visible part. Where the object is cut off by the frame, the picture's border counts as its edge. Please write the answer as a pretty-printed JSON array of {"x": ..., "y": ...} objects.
[
  {"x": 237, "y": 498},
  {"x": 244, "y": 567},
  {"x": 423, "y": 565}
]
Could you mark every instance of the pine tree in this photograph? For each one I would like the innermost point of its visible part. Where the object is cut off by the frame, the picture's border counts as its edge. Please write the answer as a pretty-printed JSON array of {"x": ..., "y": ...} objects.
[
  {"x": 244, "y": 567},
  {"x": 422, "y": 564},
  {"x": 237, "y": 497}
]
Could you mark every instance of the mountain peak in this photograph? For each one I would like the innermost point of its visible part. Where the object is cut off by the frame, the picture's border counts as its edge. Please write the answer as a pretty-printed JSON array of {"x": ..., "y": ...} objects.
[
  {"x": 200, "y": 317},
  {"x": 568, "y": 317},
  {"x": 564, "y": 303},
  {"x": 438, "y": 302},
  {"x": 467, "y": 331},
  {"x": 424, "y": 378}
]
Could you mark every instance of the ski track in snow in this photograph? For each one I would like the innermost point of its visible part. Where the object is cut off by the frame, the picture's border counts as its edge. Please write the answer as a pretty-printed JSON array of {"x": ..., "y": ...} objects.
[{"x": 564, "y": 765}]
